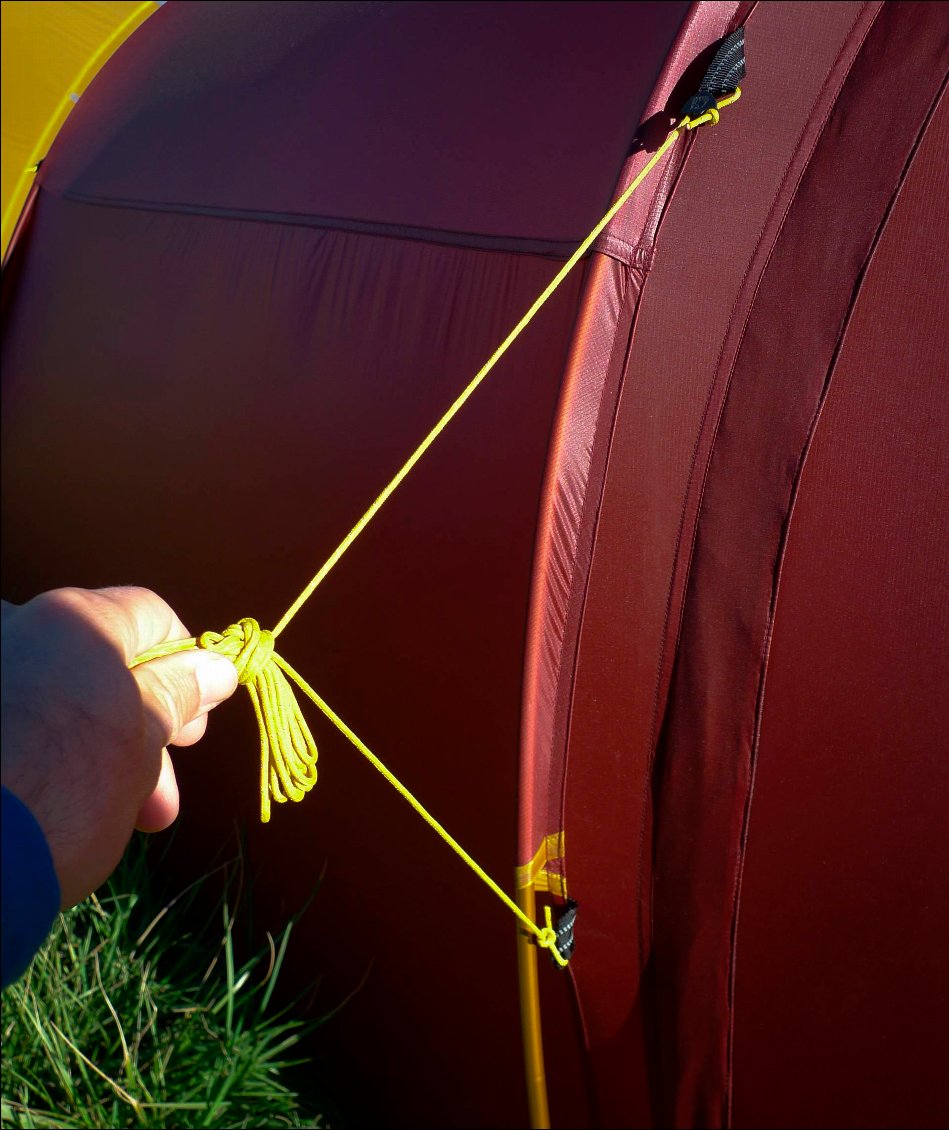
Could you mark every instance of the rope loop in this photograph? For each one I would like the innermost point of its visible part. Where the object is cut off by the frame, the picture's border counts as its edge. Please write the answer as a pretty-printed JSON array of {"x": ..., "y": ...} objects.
[
  {"x": 547, "y": 939},
  {"x": 712, "y": 115}
]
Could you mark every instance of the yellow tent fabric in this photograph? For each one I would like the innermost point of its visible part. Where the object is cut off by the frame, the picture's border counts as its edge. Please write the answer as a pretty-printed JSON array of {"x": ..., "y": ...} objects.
[{"x": 51, "y": 51}]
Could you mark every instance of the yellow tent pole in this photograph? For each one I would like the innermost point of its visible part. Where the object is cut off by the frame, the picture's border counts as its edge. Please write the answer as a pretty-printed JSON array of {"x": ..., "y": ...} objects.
[
  {"x": 91, "y": 67},
  {"x": 531, "y": 1032}
]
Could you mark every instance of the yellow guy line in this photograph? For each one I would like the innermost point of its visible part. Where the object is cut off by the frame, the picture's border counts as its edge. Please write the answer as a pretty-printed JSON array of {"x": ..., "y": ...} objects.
[{"x": 495, "y": 357}]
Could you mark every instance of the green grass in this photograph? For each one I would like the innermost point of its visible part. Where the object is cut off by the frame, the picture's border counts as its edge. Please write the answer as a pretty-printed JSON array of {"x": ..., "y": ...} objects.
[{"x": 128, "y": 1018}]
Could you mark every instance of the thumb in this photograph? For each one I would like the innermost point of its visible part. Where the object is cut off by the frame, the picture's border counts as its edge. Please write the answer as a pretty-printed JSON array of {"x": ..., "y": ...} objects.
[{"x": 176, "y": 689}]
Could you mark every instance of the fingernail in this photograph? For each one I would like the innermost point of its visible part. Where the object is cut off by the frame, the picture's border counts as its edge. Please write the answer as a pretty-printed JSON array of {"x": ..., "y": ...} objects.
[{"x": 217, "y": 677}]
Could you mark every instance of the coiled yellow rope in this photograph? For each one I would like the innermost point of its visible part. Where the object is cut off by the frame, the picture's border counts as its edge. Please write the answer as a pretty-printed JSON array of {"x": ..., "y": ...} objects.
[
  {"x": 287, "y": 749},
  {"x": 288, "y": 752}
]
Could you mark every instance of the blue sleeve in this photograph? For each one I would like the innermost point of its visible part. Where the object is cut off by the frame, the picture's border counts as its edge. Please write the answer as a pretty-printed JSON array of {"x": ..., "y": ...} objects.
[{"x": 29, "y": 889}]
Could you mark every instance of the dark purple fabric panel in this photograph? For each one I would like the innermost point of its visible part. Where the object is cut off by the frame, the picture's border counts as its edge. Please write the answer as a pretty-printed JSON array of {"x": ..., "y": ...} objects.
[
  {"x": 842, "y": 984},
  {"x": 705, "y": 759},
  {"x": 509, "y": 120},
  {"x": 665, "y": 396},
  {"x": 205, "y": 407}
]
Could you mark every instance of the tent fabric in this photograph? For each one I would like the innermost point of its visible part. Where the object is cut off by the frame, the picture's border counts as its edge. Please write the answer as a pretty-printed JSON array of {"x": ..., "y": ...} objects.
[
  {"x": 587, "y": 400},
  {"x": 862, "y": 620},
  {"x": 50, "y": 52},
  {"x": 330, "y": 354},
  {"x": 739, "y": 535},
  {"x": 381, "y": 117},
  {"x": 666, "y": 432},
  {"x": 686, "y": 547},
  {"x": 613, "y": 700}
]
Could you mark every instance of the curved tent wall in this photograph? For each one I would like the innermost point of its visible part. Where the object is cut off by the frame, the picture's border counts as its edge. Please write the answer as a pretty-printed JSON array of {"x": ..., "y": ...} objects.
[
  {"x": 725, "y": 327},
  {"x": 675, "y": 574}
]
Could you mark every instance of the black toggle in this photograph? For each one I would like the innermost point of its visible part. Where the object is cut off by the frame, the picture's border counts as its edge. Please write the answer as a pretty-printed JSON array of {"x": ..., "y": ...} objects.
[{"x": 563, "y": 928}]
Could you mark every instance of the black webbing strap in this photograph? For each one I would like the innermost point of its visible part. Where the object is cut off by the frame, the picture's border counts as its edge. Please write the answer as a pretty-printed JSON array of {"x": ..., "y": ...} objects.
[{"x": 723, "y": 76}]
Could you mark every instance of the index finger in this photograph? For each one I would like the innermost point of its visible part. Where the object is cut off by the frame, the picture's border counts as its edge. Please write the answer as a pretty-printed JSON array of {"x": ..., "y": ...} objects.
[{"x": 139, "y": 619}]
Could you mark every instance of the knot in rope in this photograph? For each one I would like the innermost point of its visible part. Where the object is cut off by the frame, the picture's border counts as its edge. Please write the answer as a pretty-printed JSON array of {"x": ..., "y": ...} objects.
[
  {"x": 287, "y": 749},
  {"x": 246, "y": 644},
  {"x": 548, "y": 938}
]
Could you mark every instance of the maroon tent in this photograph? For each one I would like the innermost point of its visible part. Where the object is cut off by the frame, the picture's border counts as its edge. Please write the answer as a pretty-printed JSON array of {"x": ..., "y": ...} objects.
[{"x": 666, "y": 603}]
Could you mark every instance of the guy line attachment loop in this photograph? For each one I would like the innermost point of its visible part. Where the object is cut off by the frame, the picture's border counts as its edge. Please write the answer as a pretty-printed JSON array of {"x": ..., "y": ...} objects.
[{"x": 288, "y": 752}]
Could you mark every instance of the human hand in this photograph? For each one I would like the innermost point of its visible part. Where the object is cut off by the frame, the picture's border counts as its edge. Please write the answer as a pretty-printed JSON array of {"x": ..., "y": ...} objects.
[{"x": 84, "y": 738}]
